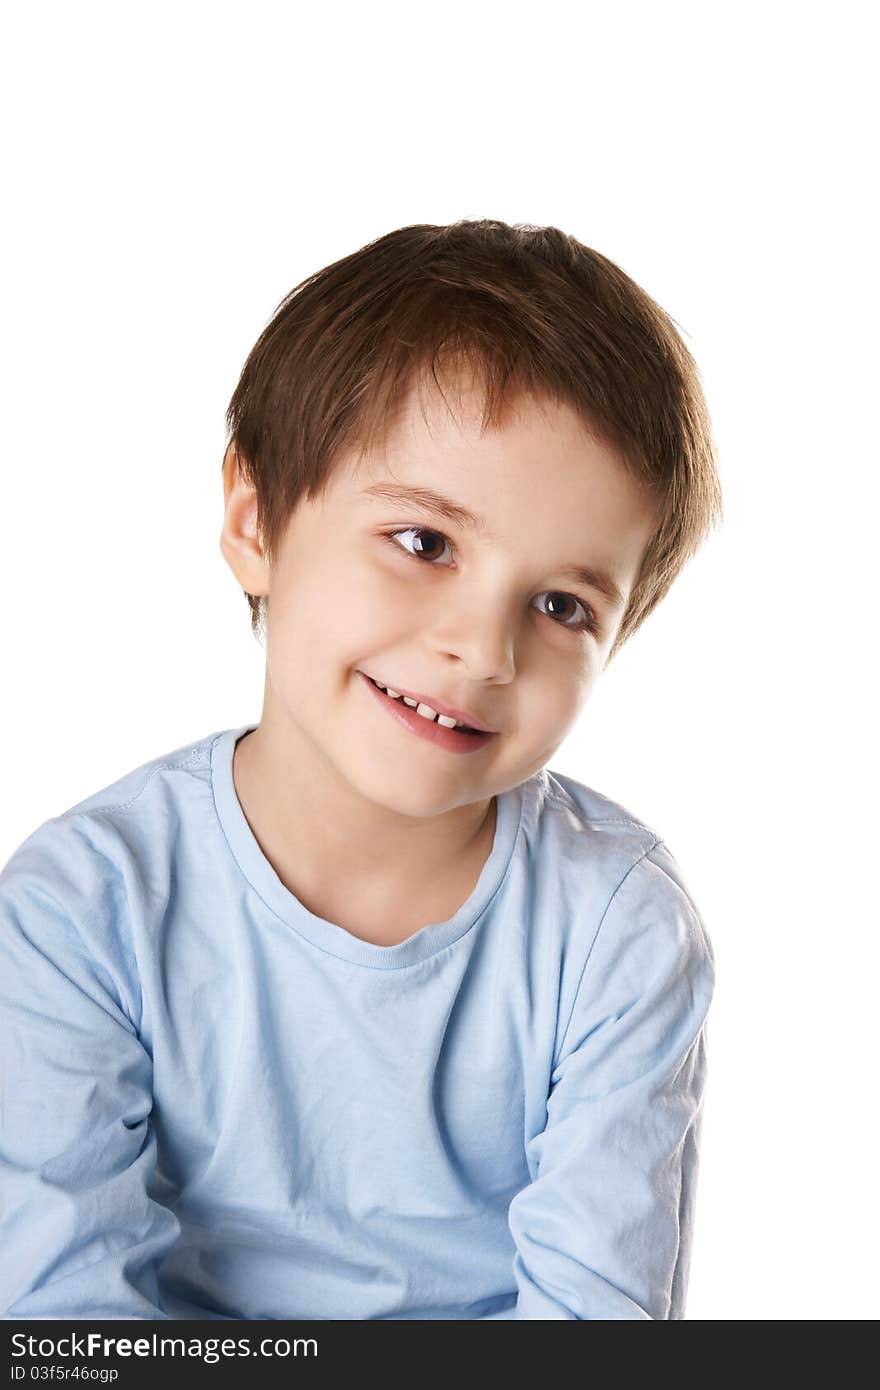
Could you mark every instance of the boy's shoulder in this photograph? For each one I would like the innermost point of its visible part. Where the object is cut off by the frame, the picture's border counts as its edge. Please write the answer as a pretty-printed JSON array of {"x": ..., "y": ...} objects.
[
  {"x": 578, "y": 824},
  {"x": 591, "y": 806},
  {"x": 193, "y": 759},
  {"x": 593, "y": 852},
  {"x": 73, "y": 890},
  {"x": 124, "y": 812}
]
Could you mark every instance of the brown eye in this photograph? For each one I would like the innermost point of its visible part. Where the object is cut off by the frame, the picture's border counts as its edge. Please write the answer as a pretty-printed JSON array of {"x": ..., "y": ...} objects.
[
  {"x": 557, "y": 602},
  {"x": 429, "y": 548},
  {"x": 424, "y": 550}
]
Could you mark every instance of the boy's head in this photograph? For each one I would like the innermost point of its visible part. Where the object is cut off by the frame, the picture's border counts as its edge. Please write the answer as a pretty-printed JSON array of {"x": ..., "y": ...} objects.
[{"x": 525, "y": 378}]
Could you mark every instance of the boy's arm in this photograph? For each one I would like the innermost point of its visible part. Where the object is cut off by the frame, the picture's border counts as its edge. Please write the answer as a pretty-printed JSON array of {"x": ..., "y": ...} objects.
[
  {"x": 604, "y": 1229},
  {"x": 80, "y": 1236}
]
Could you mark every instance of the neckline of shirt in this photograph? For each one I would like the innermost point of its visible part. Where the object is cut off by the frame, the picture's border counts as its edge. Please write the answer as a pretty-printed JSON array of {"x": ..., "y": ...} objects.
[{"x": 328, "y": 936}]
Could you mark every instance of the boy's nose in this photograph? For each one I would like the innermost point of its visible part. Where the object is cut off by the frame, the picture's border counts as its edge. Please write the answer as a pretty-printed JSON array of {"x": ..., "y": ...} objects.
[{"x": 484, "y": 643}]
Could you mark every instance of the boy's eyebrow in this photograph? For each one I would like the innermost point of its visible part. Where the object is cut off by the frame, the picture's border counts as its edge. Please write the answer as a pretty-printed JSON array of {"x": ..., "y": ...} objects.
[
  {"x": 596, "y": 579},
  {"x": 427, "y": 498}
]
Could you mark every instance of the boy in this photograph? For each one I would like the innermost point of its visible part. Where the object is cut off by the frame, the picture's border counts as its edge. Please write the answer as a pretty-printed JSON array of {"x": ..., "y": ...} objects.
[{"x": 356, "y": 1012}]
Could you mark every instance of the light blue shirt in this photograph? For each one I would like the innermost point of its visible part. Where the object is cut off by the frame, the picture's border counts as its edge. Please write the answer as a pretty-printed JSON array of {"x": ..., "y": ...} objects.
[{"x": 216, "y": 1104}]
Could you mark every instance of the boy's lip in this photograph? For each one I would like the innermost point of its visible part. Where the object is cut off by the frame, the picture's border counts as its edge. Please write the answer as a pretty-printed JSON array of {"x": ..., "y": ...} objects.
[{"x": 462, "y": 715}]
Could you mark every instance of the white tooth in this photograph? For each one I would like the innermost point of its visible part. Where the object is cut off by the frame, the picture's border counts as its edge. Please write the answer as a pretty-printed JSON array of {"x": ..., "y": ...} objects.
[
  {"x": 424, "y": 710},
  {"x": 385, "y": 690}
]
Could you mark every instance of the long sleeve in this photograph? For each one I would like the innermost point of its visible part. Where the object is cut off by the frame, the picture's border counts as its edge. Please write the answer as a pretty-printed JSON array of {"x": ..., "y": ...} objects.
[
  {"x": 81, "y": 1238},
  {"x": 604, "y": 1229}
]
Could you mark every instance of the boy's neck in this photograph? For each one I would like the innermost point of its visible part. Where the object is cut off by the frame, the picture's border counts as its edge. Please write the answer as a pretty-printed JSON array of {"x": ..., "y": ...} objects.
[{"x": 350, "y": 864}]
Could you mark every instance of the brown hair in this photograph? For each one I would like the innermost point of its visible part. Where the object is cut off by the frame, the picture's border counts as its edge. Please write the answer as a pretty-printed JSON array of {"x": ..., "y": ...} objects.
[{"x": 527, "y": 309}]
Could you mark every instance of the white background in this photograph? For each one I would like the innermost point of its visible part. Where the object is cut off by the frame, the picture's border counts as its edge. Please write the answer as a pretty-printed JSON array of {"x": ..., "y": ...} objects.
[{"x": 171, "y": 172}]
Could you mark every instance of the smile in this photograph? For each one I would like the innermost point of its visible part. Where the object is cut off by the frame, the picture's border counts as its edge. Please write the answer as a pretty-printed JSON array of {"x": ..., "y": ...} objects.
[{"x": 421, "y": 719}]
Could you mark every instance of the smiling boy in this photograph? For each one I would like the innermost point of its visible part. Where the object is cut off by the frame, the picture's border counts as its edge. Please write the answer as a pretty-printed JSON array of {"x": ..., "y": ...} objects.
[
  {"x": 366, "y": 588},
  {"x": 354, "y": 1012}
]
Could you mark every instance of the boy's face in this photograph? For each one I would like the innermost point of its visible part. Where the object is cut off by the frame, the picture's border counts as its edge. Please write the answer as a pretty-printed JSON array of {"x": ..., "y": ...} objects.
[{"x": 485, "y": 620}]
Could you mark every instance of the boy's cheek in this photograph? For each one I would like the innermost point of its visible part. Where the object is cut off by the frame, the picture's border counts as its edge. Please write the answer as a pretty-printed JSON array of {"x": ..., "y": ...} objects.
[{"x": 330, "y": 627}]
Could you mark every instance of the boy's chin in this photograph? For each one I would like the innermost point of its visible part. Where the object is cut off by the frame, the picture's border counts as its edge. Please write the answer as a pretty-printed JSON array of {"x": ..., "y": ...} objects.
[{"x": 412, "y": 794}]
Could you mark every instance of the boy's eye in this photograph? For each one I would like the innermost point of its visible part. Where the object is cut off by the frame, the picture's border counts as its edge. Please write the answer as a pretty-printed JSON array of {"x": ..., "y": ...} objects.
[
  {"x": 422, "y": 551},
  {"x": 429, "y": 552}
]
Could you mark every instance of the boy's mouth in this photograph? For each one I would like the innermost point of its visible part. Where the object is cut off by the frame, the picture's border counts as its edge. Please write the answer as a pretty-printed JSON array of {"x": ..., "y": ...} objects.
[{"x": 426, "y": 711}]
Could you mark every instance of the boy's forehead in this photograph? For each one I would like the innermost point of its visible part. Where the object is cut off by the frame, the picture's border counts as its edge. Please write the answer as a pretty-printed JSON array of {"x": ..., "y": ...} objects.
[{"x": 430, "y": 427}]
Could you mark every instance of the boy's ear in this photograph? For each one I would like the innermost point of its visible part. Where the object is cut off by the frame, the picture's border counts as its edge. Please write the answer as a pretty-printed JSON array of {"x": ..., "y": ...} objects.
[
  {"x": 230, "y": 467},
  {"x": 240, "y": 542}
]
